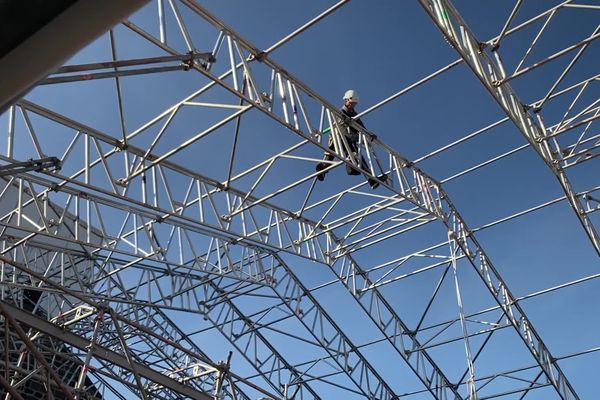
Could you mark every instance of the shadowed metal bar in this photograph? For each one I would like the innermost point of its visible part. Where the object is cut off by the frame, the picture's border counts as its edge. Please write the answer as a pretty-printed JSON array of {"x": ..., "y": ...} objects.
[{"x": 55, "y": 42}]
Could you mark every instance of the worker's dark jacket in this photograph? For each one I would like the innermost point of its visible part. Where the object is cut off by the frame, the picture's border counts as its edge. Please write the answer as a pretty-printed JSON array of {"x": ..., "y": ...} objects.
[
  {"x": 352, "y": 136},
  {"x": 350, "y": 132}
]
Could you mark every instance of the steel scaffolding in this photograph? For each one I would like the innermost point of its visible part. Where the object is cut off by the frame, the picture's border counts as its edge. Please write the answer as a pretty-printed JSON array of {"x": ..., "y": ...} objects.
[{"x": 140, "y": 269}]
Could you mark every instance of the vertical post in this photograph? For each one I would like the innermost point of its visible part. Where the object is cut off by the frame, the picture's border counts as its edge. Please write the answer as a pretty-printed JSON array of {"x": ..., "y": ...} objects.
[
  {"x": 453, "y": 237},
  {"x": 222, "y": 375},
  {"x": 161, "y": 21},
  {"x": 285, "y": 391},
  {"x": 11, "y": 132},
  {"x": 6, "y": 347},
  {"x": 87, "y": 181},
  {"x": 154, "y": 186},
  {"x": 20, "y": 202},
  {"x": 90, "y": 348}
]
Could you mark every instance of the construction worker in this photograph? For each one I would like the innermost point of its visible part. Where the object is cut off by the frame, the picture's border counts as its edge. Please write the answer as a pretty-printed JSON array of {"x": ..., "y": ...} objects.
[{"x": 351, "y": 135}]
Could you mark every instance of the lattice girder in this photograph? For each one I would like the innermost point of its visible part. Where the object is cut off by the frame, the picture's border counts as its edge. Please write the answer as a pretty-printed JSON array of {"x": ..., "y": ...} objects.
[{"x": 136, "y": 184}]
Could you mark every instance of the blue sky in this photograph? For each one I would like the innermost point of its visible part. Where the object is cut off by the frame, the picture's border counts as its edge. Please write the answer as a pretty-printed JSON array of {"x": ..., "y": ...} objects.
[{"x": 379, "y": 48}]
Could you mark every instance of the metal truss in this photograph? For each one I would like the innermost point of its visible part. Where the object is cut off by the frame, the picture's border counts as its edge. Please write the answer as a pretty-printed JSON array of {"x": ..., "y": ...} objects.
[
  {"x": 100, "y": 277},
  {"x": 485, "y": 61},
  {"x": 32, "y": 165},
  {"x": 125, "y": 235},
  {"x": 94, "y": 348},
  {"x": 161, "y": 358}
]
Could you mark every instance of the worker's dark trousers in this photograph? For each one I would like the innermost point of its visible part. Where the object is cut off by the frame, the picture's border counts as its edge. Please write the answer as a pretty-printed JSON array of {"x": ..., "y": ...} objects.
[{"x": 350, "y": 170}]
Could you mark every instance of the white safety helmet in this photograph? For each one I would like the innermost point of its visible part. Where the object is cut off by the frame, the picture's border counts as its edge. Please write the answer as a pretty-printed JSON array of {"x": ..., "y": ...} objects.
[{"x": 351, "y": 95}]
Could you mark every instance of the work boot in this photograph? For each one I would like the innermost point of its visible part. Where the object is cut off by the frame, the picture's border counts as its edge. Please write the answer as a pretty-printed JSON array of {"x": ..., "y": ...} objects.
[
  {"x": 352, "y": 171},
  {"x": 320, "y": 167},
  {"x": 383, "y": 178},
  {"x": 374, "y": 183}
]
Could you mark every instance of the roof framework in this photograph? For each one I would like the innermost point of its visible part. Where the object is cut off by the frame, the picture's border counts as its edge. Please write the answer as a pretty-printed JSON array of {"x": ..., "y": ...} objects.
[{"x": 143, "y": 258}]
